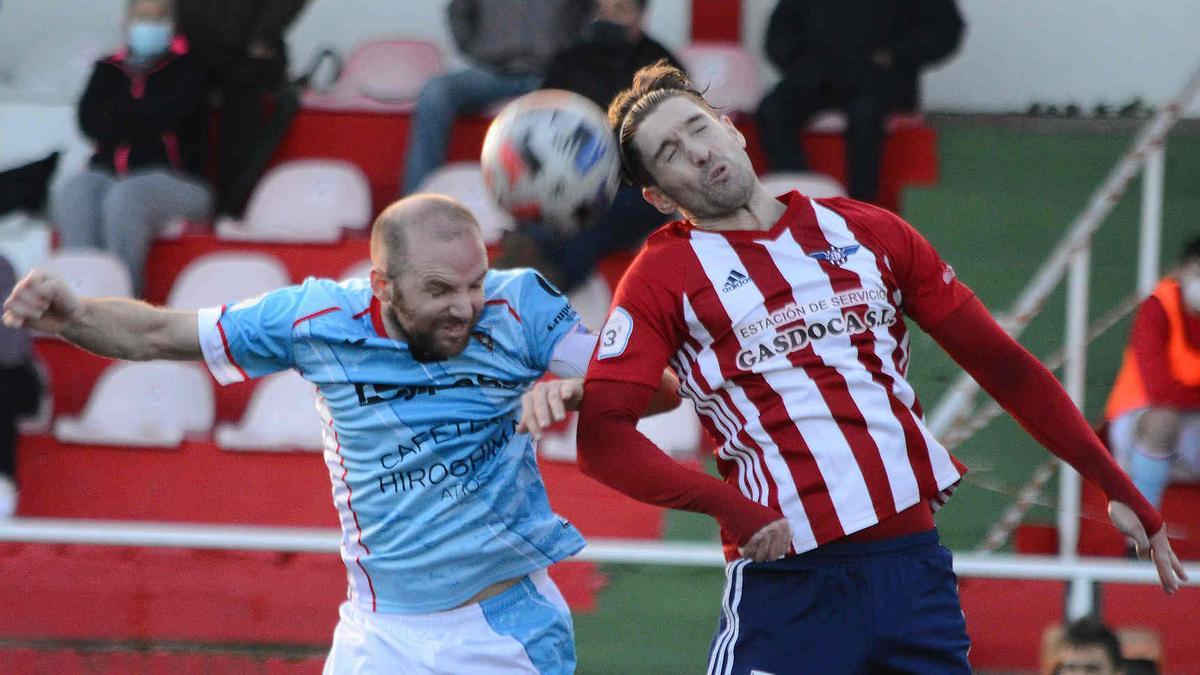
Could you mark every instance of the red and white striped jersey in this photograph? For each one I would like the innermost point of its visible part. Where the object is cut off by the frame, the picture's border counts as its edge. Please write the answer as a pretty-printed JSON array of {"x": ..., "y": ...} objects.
[{"x": 792, "y": 344}]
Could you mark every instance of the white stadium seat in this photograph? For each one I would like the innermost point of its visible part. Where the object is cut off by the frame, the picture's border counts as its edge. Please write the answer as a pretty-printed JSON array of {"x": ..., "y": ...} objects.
[
  {"x": 91, "y": 272},
  {"x": 382, "y": 76},
  {"x": 310, "y": 200},
  {"x": 221, "y": 278},
  {"x": 592, "y": 299},
  {"x": 464, "y": 181},
  {"x": 808, "y": 183},
  {"x": 153, "y": 404},
  {"x": 281, "y": 416},
  {"x": 725, "y": 73},
  {"x": 359, "y": 270}
]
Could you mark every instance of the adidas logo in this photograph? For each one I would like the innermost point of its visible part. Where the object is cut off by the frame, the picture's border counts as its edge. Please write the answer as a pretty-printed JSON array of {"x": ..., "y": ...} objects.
[{"x": 736, "y": 279}]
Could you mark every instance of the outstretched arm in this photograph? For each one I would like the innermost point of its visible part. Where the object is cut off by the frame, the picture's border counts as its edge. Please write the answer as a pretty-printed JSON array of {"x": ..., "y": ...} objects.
[
  {"x": 614, "y": 452},
  {"x": 114, "y": 327},
  {"x": 1036, "y": 400}
]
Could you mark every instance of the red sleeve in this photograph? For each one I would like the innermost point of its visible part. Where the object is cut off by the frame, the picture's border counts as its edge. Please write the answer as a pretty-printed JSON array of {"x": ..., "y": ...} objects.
[
  {"x": 929, "y": 288},
  {"x": 644, "y": 327},
  {"x": 1148, "y": 339},
  {"x": 612, "y": 451},
  {"x": 1032, "y": 395}
]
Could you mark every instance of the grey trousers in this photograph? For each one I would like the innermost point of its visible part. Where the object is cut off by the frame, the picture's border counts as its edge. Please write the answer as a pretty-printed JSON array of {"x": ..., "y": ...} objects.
[{"x": 121, "y": 215}]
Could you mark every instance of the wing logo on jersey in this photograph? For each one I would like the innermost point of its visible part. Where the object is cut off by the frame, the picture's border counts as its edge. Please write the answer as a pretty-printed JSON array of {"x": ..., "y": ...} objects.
[
  {"x": 735, "y": 280},
  {"x": 835, "y": 255}
]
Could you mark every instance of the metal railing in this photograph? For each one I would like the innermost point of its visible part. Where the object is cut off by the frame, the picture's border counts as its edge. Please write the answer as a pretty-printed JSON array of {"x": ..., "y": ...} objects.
[
  {"x": 1081, "y": 571},
  {"x": 1072, "y": 258}
]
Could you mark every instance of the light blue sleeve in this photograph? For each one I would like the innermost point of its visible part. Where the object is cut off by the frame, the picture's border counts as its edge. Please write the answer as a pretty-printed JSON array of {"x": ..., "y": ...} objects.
[
  {"x": 252, "y": 338},
  {"x": 546, "y": 316}
]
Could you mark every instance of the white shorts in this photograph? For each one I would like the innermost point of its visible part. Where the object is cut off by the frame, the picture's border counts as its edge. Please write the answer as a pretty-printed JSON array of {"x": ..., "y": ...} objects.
[
  {"x": 525, "y": 629},
  {"x": 1186, "y": 467}
]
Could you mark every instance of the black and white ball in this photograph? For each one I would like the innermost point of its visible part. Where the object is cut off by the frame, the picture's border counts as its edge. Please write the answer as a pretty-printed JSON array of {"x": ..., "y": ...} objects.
[{"x": 550, "y": 157}]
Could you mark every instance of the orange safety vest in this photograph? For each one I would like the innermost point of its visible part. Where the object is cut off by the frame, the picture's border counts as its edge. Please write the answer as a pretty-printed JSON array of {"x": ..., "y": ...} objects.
[{"x": 1129, "y": 393}]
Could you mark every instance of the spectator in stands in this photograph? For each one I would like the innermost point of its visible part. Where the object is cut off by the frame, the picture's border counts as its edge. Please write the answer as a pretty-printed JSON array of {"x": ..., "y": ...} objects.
[
  {"x": 601, "y": 65},
  {"x": 241, "y": 46},
  {"x": 142, "y": 111},
  {"x": 510, "y": 44},
  {"x": 1089, "y": 647},
  {"x": 859, "y": 57},
  {"x": 1154, "y": 408},
  {"x": 20, "y": 393}
]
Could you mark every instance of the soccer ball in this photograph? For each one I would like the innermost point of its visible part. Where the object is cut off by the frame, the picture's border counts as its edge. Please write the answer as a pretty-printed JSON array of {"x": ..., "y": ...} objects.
[{"x": 550, "y": 157}]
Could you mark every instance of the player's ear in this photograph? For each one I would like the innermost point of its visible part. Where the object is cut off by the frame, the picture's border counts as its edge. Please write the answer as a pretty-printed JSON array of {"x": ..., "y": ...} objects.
[
  {"x": 659, "y": 200},
  {"x": 379, "y": 282},
  {"x": 728, "y": 123}
]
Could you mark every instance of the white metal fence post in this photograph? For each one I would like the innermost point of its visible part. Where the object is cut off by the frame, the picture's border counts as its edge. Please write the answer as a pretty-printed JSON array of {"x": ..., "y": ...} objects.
[
  {"x": 1079, "y": 600},
  {"x": 1150, "y": 242}
]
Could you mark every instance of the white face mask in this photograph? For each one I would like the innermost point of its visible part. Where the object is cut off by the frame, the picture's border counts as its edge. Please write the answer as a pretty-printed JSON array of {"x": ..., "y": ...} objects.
[{"x": 1191, "y": 293}]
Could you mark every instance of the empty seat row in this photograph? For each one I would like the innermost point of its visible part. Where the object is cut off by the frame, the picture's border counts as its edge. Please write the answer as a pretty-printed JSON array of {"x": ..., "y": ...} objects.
[{"x": 161, "y": 404}]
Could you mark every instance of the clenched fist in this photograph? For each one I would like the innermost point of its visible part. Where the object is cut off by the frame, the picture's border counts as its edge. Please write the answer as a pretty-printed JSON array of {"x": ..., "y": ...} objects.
[{"x": 41, "y": 301}]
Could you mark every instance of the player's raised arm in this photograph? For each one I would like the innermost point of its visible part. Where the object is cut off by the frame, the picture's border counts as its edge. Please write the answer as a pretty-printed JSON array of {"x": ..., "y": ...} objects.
[
  {"x": 962, "y": 326},
  {"x": 118, "y": 328}
]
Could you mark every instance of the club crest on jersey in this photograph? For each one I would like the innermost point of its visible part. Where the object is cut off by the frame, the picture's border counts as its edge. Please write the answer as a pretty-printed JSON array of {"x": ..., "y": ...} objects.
[
  {"x": 735, "y": 280},
  {"x": 835, "y": 255}
]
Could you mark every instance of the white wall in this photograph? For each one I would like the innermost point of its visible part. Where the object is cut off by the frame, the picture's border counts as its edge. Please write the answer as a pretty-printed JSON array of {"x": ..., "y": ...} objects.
[{"x": 1019, "y": 51}]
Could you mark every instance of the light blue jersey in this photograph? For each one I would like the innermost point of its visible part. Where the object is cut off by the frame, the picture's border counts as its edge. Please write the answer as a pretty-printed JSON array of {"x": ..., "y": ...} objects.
[{"x": 438, "y": 495}]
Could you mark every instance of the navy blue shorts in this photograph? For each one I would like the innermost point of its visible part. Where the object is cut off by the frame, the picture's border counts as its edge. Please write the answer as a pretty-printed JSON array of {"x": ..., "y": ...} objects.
[{"x": 887, "y": 606}]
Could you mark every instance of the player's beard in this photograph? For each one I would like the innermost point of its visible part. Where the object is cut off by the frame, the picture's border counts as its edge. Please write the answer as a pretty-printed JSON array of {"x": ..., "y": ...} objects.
[
  {"x": 427, "y": 337},
  {"x": 720, "y": 199}
]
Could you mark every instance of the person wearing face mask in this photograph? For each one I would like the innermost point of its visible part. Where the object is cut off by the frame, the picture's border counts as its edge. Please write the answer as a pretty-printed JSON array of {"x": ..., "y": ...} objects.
[
  {"x": 613, "y": 48},
  {"x": 142, "y": 112},
  {"x": 1154, "y": 408}
]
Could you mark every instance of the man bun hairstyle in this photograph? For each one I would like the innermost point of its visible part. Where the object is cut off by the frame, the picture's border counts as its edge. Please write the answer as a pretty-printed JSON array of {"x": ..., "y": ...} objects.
[{"x": 652, "y": 85}]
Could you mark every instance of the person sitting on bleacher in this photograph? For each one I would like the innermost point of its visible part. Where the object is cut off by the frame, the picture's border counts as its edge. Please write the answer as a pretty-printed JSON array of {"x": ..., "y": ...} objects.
[
  {"x": 1154, "y": 409},
  {"x": 142, "y": 111},
  {"x": 599, "y": 67},
  {"x": 510, "y": 43},
  {"x": 859, "y": 57}
]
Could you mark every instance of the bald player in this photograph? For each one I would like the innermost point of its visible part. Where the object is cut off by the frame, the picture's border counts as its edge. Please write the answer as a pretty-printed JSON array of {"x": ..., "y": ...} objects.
[{"x": 421, "y": 371}]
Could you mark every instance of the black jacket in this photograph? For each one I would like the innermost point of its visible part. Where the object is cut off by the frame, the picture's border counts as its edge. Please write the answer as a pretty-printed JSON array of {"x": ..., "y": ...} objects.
[
  {"x": 230, "y": 25},
  {"x": 143, "y": 119},
  {"x": 835, "y": 38},
  {"x": 600, "y": 71}
]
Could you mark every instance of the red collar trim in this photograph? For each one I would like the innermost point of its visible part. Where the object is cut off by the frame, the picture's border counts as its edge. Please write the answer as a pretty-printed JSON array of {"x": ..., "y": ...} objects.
[{"x": 377, "y": 317}]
